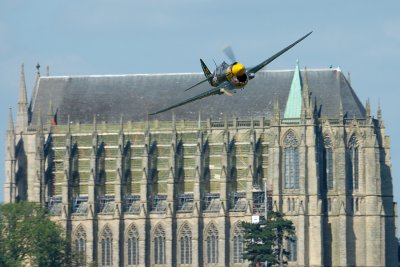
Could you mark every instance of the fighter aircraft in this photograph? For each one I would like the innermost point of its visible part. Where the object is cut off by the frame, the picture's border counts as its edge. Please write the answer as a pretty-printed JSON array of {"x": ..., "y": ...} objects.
[{"x": 228, "y": 77}]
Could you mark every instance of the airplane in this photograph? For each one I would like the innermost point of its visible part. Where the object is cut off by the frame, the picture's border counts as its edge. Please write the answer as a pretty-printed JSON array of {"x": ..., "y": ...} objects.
[{"x": 226, "y": 78}]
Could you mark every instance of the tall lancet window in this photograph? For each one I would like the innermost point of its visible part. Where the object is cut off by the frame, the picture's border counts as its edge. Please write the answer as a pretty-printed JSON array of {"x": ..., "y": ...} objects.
[
  {"x": 291, "y": 153},
  {"x": 353, "y": 163},
  {"x": 80, "y": 246},
  {"x": 159, "y": 246},
  {"x": 106, "y": 247},
  {"x": 238, "y": 245},
  {"x": 186, "y": 245},
  {"x": 328, "y": 162},
  {"x": 212, "y": 245},
  {"x": 292, "y": 248},
  {"x": 132, "y": 247}
]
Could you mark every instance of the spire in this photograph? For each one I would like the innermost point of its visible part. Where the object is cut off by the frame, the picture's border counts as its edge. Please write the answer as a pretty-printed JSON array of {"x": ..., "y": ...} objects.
[
  {"x": 368, "y": 109},
  {"x": 276, "y": 116},
  {"x": 10, "y": 127},
  {"x": 35, "y": 88},
  {"x": 22, "y": 98},
  {"x": 340, "y": 111},
  {"x": 379, "y": 115},
  {"x": 294, "y": 101},
  {"x": 22, "y": 114},
  {"x": 306, "y": 96}
]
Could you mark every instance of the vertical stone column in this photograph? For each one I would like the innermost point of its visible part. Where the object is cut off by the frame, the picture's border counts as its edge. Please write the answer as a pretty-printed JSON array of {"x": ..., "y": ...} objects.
[
  {"x": 92, "y": 223},
  {"x": 301, "y": 231},
  {"x": 170, "y": 220},
  {"x": 274, "y": 166},
  {"x": 119, "y": 182},
  {"x": 116, "y": 261},
  {"x": 145, "y": 245},
  {"x": 252, "y": 169},
  {"x": 223, "y": 234},
  {"x": 314, "y": 203},
  {"x": 118, "y": 245},
  {"x": 342, "y": 235},
  {"x": 198, "y": 188},
  {"x": 372, "y": 219},
  {"x": 10, "y": 161},
  {"x": 40, "y": 179},
  {"x": 224, "y": 180},
  {"x": 65, "y": 189}
]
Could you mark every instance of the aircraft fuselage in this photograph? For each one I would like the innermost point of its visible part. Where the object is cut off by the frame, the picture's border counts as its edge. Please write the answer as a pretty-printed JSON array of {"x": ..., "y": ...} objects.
[{"x": 235, "y": 74}]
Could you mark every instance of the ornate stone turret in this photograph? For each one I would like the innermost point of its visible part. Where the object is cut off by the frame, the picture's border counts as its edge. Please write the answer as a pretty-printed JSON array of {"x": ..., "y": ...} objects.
[
  {"x": 34, "y": 91},
  {"x": 379, "y": 115},
  {"x": 9, "y": 184},
  {"x": 307, "y": 108},
  {"x": 276, "y": 116},
  {"x": 22, "y": 113}
]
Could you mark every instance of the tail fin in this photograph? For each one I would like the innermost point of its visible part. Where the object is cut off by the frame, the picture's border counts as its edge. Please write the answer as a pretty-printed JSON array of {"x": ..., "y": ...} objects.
[{"x": 206, "y": 71}]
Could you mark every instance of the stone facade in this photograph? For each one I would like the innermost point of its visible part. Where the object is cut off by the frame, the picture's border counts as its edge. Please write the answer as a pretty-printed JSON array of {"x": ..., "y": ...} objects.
[{"x": 173, "y": 193}]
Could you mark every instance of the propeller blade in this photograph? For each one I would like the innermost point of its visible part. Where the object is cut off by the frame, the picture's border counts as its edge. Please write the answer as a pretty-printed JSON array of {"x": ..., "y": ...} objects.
[{"x": 228, "y": 51}]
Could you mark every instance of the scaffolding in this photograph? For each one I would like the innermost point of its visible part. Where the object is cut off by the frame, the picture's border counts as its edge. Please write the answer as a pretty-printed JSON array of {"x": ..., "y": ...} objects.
[
  {"x": 80, "y": 205},
  {"x": 185, "y": 203},
  {"x": 238, "y": 201},
  {"x": 259, "y": 202},
  {"x": 159, "y": 203},
  {"x": 106, "y": 204},
  {"x": 132, "y": 204},
  {"x": 54, "y": 205},
  {"x": 211, "y": 202}
]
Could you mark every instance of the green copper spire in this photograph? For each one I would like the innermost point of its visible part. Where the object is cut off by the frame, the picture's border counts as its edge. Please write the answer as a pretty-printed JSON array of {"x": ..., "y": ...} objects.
[{"x": 293, "y": 104}]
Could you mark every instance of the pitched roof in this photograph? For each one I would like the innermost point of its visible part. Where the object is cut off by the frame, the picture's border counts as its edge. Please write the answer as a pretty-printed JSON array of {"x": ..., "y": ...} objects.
[{"x": 133, "y": 96}]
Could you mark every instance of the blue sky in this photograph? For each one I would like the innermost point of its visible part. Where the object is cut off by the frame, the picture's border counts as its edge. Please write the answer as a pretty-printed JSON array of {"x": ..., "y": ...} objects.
[{"x": 119, "y": 37}]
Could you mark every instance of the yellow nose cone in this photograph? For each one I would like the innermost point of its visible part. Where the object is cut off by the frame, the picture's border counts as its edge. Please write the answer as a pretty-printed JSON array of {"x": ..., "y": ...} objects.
[{"x": 238, "y": 69}]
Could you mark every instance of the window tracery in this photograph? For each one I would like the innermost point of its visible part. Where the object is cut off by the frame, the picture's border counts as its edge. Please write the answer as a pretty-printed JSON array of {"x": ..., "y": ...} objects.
[
  {"x": 132, "y": 246},
  {"x": 291, "y": 153},
  {"x": 159, "y": 245},
  {"x": 186, "y": 245},
  {"x": 80, "y": 245},
  {"x": 106, "y": 247},
  {"x": 212, "y": 244}
]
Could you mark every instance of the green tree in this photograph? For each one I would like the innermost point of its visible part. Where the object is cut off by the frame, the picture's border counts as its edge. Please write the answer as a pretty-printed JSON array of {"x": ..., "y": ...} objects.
[
  {"x": 27, "y": 233},
  {"x": 264, "y": 241}
]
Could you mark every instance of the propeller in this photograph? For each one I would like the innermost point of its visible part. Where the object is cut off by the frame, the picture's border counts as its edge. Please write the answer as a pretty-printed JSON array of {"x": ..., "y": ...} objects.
[{"x": 228, "y": 51}]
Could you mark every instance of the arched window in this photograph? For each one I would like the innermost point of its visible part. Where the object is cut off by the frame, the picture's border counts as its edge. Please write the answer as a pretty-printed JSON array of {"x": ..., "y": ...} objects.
[
  {"x": 80, "y": 245},
  {"x": 212, "y": 244},
  {"x": 132, "y": 240},
  {"x": 328, "y": 163},
  {"x": 353, "y": 163},
  {"x": 106, "y": 247},
  {"x": 159, "y": 246},
  {"x": 291, "y": 161},
  {"x": 292, "y": 249},
  {"x": 186, "y": 245},
  {"x": 238, "y": 245}
]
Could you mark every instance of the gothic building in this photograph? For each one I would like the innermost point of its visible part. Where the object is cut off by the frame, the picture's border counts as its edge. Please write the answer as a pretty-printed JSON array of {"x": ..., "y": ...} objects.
[{"x": 171, "y": 190}]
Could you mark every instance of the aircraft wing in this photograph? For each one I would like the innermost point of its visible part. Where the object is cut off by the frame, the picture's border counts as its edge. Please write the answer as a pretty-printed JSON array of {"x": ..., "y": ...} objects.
[
  {"x": 253, "y": 70},
  {"x": 213, "y": 91}
]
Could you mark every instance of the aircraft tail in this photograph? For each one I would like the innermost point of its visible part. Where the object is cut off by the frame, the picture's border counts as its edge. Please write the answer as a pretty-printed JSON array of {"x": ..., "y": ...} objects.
[{"x": 206, "y": 71}]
